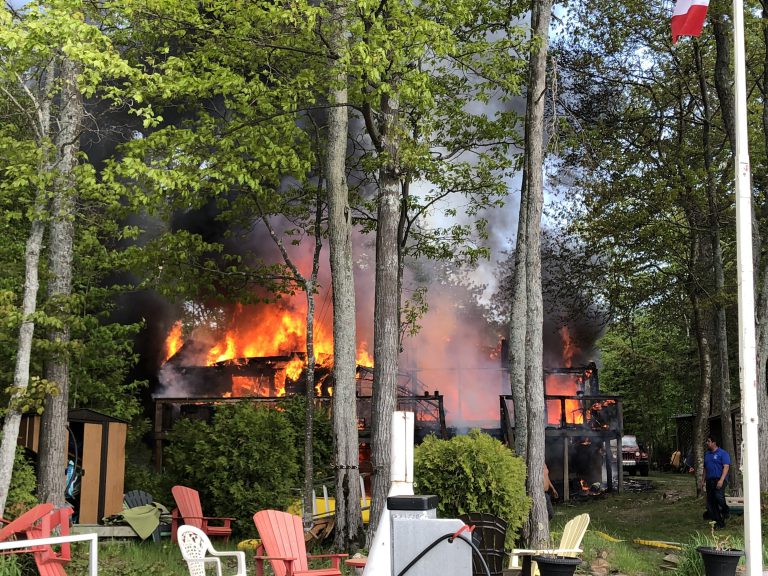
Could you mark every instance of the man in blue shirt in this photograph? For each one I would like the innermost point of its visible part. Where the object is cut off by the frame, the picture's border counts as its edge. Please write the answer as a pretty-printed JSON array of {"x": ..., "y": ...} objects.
[{"x": 717, "y": 463}]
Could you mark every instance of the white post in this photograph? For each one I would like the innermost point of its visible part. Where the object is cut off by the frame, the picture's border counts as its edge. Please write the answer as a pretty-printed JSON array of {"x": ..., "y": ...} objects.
[
  {"x": 380, "y": 553},
  {"x": 747, "y": 349},
  {"x": 93, "y": 560}
]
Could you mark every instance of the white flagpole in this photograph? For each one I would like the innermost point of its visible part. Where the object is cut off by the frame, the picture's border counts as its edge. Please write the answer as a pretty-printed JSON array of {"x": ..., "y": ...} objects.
[{"x": 747, "y": 349}]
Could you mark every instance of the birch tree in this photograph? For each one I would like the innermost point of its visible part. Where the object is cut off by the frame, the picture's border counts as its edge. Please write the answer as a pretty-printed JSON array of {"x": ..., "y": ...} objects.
[
  {"x": 422, "y": 96},
  {"x": 51, "y": 57},
  {"x": 529, "y": 290},
  {"x": 348, "y": 525}
]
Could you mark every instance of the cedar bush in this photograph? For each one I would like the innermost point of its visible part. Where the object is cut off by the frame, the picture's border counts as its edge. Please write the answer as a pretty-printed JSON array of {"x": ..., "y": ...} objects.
[
  {"x": 242, "y": 462},
  {"x": 473, "y": 473}
]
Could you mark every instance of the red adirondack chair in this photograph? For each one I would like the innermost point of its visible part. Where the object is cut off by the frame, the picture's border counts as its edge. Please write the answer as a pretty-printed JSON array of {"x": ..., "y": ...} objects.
[
  {"x": 282, "y": 538},
  {"x": 24, "y": 521},
  {"x": 41, "y": 522},
  {"x": 189, "y": 511},
  {"x": 49, "y": 562}
]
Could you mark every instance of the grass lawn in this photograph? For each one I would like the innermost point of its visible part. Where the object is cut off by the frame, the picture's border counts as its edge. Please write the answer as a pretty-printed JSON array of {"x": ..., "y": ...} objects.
[{"x": 669, "y": 512}]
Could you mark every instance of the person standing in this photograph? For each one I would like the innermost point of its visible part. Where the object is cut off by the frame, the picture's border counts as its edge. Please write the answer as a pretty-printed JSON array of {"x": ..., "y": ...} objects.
[
  {"x": 549, "y": 487},
  {"x": 717, "y": 463}
]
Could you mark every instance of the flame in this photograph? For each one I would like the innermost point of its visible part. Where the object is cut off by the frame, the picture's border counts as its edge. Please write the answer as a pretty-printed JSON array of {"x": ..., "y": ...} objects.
[
  {"x": 363, "y": 358},
  {"x": 584, "y": 486},
  {"x": 222, "y": 351},
  {"x": 250, "y": 386},
  {"x": 569, "y": 348},
  {"x": 259, "y": 331},
  {"x": 294, "y": 367},
  {"x": 563, "y": 385},
  {"x": 319, "y": 386},
  {"x": 173, "y": 341}
]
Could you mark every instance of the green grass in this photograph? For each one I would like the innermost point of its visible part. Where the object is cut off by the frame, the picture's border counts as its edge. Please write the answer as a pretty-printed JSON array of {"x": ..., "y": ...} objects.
[
  {"x": 131, "y": 559},
  {"x": 144, "y": 559},
  {"x": 670, "y": 512}
]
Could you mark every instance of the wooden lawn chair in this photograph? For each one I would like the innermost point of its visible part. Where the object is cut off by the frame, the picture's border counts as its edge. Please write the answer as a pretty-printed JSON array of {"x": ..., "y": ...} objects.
[
  {"x": 189, "y": 511},
  {"x": 136, "y": 498},
  {"x": 573, "y": 533},
  {"x": 56, "y": 523},
  {"x": 282, "y": 538},
  {"x": 25, "y": 521}
]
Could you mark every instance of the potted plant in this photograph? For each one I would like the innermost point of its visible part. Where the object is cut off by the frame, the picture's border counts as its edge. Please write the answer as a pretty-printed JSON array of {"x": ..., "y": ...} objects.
[
  {"x": 550, "y": 563},
  {"x": 554, "y": 565},
  {"x": 720, "y": 559}
]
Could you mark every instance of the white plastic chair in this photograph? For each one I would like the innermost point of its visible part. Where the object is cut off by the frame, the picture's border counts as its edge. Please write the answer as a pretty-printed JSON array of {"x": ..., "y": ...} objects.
[{"x": 197, "y": 550}]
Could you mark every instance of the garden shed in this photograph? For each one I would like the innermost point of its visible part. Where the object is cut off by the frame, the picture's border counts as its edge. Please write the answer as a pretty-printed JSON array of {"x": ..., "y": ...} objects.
[{"x": 97, "y": 452}]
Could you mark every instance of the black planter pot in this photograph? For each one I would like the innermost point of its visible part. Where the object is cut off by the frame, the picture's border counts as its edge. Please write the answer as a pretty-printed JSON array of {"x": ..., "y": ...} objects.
[
  {"x": 719, "y": 562},
  {"x": 556, "y": 565}
]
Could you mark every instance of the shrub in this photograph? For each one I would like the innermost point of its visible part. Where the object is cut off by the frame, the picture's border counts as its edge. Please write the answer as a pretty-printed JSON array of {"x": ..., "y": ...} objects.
[
  {"x": 21, "y": 493},
  {"x": 139, "y": 471},
  {"x": 244, "y": 461},
  {"x": 474, "y": 473}
]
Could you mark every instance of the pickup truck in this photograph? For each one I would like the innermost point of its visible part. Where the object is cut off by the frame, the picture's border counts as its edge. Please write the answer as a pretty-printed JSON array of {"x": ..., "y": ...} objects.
[{"x": 633, "y": 458}]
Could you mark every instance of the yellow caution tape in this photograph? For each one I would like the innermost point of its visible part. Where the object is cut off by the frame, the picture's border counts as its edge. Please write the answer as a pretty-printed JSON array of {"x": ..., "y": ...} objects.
[
  {"x": 659, "y": 544},
  {"x": 605, "y": 536}
]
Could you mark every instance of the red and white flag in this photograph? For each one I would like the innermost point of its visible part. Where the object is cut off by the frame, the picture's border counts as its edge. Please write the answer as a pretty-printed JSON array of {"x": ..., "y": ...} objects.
[{"x": 688, "y": 18}]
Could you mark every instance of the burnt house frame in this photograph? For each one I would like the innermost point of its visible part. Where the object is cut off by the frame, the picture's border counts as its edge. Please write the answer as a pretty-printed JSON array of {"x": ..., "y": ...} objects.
[
  {"x": 428, "y": 407},
  {"x": 584, "y": 446}
]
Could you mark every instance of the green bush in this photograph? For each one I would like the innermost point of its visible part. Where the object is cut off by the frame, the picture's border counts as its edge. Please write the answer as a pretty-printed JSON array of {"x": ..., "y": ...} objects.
[
  {"x": 139, "y": 471},
  {"x": 474, "y": 473},
  {"x": 21, "y": 493},
  {"x": 244, "y": 461}
]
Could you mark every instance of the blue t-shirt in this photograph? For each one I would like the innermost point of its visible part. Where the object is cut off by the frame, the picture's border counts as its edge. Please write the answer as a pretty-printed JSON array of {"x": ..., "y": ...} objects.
[{"x": 714, "y": 463}]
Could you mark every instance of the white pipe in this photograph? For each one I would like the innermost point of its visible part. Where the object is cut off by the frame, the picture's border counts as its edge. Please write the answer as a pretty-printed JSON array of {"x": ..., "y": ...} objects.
[
  {"x": 746, "y": 297},
  {"x": 380, "y": 553},
  {"x": 93, "y": 560}
]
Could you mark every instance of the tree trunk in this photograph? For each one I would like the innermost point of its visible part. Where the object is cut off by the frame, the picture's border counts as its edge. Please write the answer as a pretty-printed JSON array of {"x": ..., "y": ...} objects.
[
  {"x": 12, "y": 420},
  {"x": 32, "y": 251},
  {"x": 517, "y": 328},
  {"x": 348, "y": 531},
  {"x": 538, "y": 521},
  {"x": 699, "y": 264},
  {"x": 307, "y": 284},
  {"x": 720, "y": 327},
  {"x": 51, "y": 479},
  {"x": 309, "y": 468},
  {"x": 386, "y": 325},
  {"x": 701, "y": 423},
  {"x": 722, "y": 25},
  {"x": 762, "y": 301}
]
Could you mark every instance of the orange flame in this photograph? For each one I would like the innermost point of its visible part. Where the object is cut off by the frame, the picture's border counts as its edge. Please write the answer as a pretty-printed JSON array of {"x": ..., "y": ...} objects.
[
  {"x": 563, "y": 385},
  {"x": 173, "y": 341},
  {"x": 261, "y": 331},
  {"x": 294, "y": 367},
  {"x": 363, "y": 358}
]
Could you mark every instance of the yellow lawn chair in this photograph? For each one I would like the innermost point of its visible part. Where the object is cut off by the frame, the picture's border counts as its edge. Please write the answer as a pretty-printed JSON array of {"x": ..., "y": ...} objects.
[{"x": 573, "y": 533}]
